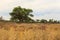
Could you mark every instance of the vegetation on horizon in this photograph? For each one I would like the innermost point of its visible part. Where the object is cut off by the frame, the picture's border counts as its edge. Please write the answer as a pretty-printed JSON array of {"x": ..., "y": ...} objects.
[{"x": 20, "y": 14}]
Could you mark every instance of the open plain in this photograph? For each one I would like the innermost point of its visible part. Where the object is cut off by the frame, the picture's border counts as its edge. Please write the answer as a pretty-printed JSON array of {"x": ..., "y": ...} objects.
[{"x": 29, "y": 31}]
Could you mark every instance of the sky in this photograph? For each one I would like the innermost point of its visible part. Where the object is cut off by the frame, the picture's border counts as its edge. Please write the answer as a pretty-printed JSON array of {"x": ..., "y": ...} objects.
[{"x": 42, "y": 9}]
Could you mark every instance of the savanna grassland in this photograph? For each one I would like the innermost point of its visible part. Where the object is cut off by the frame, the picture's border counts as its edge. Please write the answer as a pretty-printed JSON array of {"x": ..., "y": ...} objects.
[{"x": 29, "y": 31}]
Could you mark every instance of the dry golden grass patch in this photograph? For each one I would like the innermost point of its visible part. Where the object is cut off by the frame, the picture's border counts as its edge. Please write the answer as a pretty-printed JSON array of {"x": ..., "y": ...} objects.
[{"x": 29, "y": 31}]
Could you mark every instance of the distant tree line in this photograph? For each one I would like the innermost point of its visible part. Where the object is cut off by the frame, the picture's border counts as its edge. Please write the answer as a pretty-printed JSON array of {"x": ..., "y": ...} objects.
[
  {"x": 23, "y": 15},
  {"x": 47, "y": 21}
]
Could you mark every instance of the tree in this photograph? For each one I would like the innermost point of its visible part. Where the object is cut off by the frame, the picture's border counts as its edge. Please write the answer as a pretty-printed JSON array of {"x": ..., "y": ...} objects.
[
  {"x": 1, "y": 18},
  {"x": 51, "y": 21},
  {"x": 21, "y": 15},
  {"x": 37, "y": 20},
  {"x": 43, "y": 21},
  {"x": 55, "y": 21}
]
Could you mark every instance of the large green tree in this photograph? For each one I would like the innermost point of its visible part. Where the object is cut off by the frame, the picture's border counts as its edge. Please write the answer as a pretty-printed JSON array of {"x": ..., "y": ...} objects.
[{"x": 21, "y": 15}]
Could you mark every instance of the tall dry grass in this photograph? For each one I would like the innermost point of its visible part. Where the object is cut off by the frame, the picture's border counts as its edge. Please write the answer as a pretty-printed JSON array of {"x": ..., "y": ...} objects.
[{"x": 29, "y": 31}]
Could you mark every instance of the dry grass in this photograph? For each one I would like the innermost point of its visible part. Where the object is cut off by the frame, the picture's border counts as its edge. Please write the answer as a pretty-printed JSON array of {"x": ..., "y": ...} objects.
[{"x": 29, "y": 31}]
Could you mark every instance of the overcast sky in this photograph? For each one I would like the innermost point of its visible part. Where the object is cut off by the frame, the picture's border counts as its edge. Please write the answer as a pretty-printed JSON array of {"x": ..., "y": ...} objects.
[{"x": 42, "y": 9}]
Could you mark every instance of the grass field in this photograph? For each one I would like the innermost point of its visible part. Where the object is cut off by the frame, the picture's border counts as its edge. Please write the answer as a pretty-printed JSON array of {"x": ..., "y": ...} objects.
[{"x": 29, "y": 31}]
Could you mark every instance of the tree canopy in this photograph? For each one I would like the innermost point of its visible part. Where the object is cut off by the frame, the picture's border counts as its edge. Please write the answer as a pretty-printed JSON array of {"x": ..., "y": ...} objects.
[{"x": 21, "y": 15}]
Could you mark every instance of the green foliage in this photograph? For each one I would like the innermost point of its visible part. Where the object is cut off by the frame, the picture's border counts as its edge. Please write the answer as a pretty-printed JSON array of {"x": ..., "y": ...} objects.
[
  {"x": 43, "y": 21},
  {"x": 51, "y": 21},
  {"x": 37, "y": 20},
  {"x": 21, "y": 15}
]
